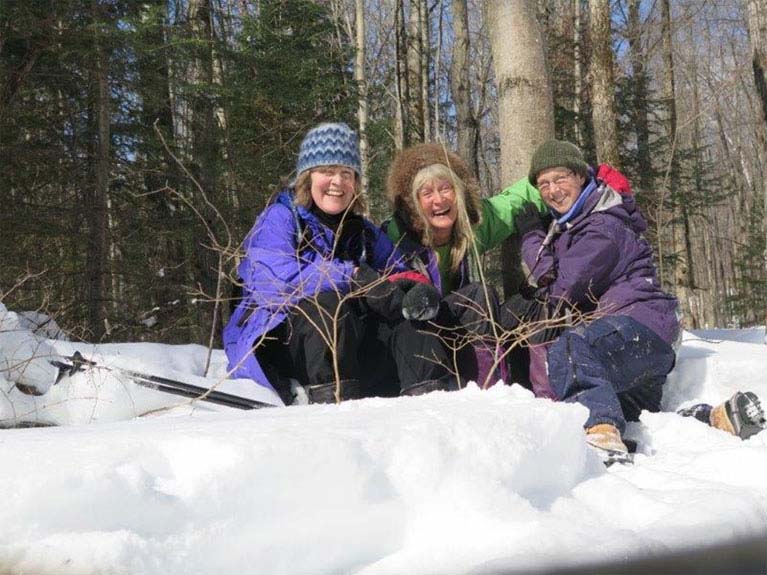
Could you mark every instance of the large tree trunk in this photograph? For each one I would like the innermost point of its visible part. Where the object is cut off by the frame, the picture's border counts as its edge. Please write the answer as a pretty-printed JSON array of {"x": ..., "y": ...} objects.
[
  {"x": 525, "y": 103},
  {"x": 602, "y": 78},
  {"x": 757, "y": 31},
  {"x": 466, "y": 124},
  {"x": 96, "y": 260}
]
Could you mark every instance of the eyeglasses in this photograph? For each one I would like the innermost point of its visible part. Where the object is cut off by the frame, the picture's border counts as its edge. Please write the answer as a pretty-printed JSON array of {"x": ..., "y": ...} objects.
[{"x": 558, "y": 181}]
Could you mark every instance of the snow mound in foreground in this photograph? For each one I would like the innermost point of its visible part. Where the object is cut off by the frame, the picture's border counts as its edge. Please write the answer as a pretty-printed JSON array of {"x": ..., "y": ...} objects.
[
  {"x": 472, "y": 481},
  {"x": 307, "y": 489}
]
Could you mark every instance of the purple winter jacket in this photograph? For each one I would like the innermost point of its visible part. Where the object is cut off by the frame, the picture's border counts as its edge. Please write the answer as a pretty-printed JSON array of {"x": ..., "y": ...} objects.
[
  {"x": 601, "y": 263},
  {"x": 289, "y": 257}
]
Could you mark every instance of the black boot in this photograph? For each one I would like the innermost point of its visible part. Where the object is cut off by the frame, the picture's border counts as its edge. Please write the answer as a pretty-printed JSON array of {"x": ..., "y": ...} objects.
[
  {"x": 326, "y": 392},
  {"x": 445, "y": 383}
]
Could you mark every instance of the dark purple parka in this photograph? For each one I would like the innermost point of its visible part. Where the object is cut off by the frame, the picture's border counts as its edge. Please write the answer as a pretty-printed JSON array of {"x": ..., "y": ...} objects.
[
  {"x": 289, "y": 257},
  {"x": 601, "y": 263}
]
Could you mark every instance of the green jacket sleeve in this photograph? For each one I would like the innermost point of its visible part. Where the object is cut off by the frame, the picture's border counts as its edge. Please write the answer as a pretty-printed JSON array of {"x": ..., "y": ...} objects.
[{"x": 498, "y": 213}]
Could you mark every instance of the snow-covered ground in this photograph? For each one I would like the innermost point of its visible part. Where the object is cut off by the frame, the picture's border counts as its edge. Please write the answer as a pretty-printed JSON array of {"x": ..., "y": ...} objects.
[{"x": 466, "y": 482}]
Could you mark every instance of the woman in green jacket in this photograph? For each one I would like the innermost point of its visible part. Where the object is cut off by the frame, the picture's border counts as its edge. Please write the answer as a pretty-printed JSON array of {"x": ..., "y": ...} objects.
[{"x": 441, "y": 221}]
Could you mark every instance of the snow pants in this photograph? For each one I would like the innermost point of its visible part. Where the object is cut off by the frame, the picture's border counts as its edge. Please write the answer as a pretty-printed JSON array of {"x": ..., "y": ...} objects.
[
  {"x": 615, "y": 366},
  {"x": 368, "y": 348}
]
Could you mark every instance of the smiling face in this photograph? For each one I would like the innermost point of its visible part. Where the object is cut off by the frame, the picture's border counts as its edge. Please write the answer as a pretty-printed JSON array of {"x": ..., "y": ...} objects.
[
  {"x": 333, "y": 188},
  {"x": 437, "y": 201},
  {"x": 560, "y": 188}
]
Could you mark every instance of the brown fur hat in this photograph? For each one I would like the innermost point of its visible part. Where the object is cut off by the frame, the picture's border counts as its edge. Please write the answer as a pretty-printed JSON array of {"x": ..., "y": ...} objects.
[{"x": 412, "y": 160}]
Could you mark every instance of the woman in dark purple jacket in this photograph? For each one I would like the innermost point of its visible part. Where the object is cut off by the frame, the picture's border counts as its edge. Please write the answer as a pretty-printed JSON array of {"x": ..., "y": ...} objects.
[
  {"x": 323, "y": 288},
  {"x": 594, "y": 265}
]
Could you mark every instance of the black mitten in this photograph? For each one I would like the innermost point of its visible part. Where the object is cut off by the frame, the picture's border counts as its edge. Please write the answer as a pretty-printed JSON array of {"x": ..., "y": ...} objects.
[
  {"x": 421, "y": 302},
  {"x": 528, "y": 219}
]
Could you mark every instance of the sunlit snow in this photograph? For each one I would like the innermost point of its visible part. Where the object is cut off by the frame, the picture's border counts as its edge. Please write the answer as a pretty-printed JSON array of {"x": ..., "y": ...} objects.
[{"x": 471, "y": 481}]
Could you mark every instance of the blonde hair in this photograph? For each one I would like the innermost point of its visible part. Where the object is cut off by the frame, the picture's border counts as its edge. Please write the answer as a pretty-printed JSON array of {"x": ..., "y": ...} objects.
[
  {"x": 303, "y": 197},
  {"x": 462, "y": 234}
]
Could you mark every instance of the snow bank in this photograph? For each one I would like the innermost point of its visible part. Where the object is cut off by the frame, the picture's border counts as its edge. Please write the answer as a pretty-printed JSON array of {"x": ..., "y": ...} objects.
[
  {"x": 305, "y": 489},
  {"x": 465, "y": 482}
]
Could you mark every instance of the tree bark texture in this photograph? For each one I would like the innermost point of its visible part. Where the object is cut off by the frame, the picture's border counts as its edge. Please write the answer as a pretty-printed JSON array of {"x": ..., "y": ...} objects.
[
  {"x": 466, "y": 124},
  {"x": 756, "y": 12},
  {"x": 416, "y": 112},
  {"x": 641, "y": 124},
  {"x": 602, "y": 79},
  {"x": 681, "y": 278},
  {"x": 525, "y": 104}
]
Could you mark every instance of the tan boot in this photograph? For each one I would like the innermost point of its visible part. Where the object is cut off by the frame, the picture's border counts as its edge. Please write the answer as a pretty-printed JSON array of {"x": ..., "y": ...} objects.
[
  {"x": 741, "y": 415},
  {"x": 605, "y": 440},
  {"x": 606, "y": 437}
]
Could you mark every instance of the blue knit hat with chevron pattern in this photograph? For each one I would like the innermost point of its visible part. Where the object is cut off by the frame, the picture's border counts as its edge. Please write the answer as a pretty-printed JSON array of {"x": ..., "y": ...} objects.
[{"x": 331, "y": 144}]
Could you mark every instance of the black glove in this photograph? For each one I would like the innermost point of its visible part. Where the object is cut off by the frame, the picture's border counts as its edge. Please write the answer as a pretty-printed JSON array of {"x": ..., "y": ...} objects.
[
  {"x": 421, "y": 302},
  {"x": 351, "y": 239},
  {"x": 382, "y": 297},
  {"x": 529, "y": 219},
  {"x": 365, "y": 275},
  {"x": 518, "y": 309}
]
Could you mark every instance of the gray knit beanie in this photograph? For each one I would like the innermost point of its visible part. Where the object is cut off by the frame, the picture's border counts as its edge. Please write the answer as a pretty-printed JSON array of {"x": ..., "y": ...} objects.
[
  {"x": 331, "y": 144},
  {"x": 556, "y": 153}
]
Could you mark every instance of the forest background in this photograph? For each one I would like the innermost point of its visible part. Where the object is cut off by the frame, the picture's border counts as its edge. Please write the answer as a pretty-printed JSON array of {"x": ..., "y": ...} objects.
[{"x": 140, "y": 139}]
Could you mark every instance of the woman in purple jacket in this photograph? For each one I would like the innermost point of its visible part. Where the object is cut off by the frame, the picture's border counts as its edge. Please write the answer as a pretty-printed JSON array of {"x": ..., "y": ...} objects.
[
  {"x": 322, "y": 284},
  {"x": 594, "y": 264}
]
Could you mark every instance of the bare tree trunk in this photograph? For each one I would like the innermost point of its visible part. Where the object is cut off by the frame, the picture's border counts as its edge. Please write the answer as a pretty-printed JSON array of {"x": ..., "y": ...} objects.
[
  {"x": 466, "y": 124},
  {"x": 425, "y": 47},
  {"x": 525, "y": 102},
  {"x": 641, "y": 124},
  {"x": 415, "y": 102},
  {"x": 757, "y": 31},
  {"x": 602, "y": 79},
  {"x": 157, "y": 110},
  {"x": 400, "y": 77},
  {"x": 362, "y": 90},
  {"x": 206, "y": 157},
  {"x": 577, "y": 72},
  {"x": 97, "y": 209},
  {"x": 436, "y": 125},
  {"x": 681, "y": 279},
  {"x": 526, "y": 107}
]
